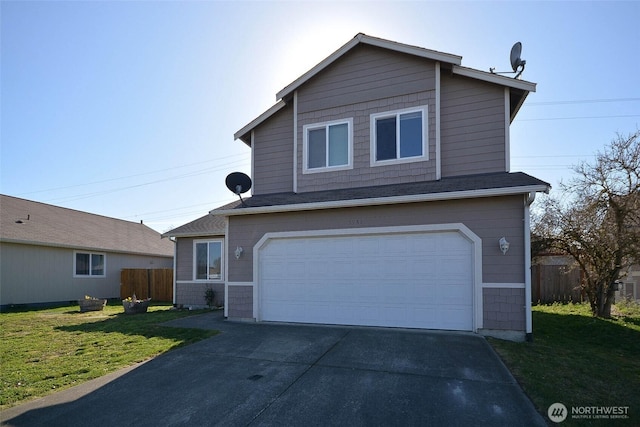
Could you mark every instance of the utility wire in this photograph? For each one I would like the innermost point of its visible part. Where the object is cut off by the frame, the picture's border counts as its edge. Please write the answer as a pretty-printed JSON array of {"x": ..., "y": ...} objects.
[
  {"x": 579, "y": 101},
  {"x": 129, "y": 176}
]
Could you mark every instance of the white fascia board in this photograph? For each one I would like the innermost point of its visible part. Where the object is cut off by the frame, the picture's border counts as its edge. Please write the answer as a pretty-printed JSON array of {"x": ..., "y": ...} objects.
[
  {"x": 261, "y": 118},
  {"x": 193, "y": 234},
  {"x": 82, "y": 248},
  {"x": 412, "y": 50},
  {"x": 494, "y": 78},
  {"x": 467, "y": 194},
  {"x": 372, "y": 41}
]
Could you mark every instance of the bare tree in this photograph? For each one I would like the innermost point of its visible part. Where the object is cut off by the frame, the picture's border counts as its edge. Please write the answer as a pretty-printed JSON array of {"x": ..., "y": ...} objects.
[{"x": 597, "y": 220}]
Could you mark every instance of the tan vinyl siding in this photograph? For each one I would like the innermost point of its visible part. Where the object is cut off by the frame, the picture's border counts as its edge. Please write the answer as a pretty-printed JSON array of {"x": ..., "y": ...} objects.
[
  {"x": 489, "y": 218},
  {"x": 184, "y": 256},
  {"x": 41, "y": 274},
  {"x": 240, "y": 302},
  {"x": 191, "y": 294},
  {"x": 503, "y": 309},
  {"x": 472, "y": 127},
  {"x": 362, "y": 174},
  {"x": 368, "y": 81},
  {"x": 273, "y": 154},
  {"x": 367, "y": 74}
]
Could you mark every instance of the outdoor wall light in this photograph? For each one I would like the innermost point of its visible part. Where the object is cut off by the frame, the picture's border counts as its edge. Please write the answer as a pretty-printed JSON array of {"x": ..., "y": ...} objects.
[
  {"x": 239, "y": 252},
  {"x": 504, "y": 245}
]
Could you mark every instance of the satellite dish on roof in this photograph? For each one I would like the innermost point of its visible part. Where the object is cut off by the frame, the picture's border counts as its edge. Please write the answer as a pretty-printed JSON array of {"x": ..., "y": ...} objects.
[
  {"x": 517, "y": 63},
  {"x": 238, "y": 183}
]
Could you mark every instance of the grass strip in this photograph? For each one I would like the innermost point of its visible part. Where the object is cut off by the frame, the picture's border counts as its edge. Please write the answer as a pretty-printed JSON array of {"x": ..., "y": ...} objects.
[
  {"x": 43, "y": 351},
  {"x": 580, "y": 361}
]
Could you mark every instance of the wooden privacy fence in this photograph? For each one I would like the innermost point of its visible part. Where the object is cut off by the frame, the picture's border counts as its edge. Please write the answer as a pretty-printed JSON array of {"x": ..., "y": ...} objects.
[
  {"x": 156, "y": 284},
  {"x": 555, "y": 283}
]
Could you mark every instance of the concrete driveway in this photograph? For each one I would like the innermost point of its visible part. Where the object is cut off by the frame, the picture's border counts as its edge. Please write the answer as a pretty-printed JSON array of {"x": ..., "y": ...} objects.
[{"x": 290, "y": 375}]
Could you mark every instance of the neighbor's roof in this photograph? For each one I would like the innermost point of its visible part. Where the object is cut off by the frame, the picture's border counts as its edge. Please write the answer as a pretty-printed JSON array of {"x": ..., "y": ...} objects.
[
  {"x": 520, "y": 88},
  {"x": 207, "y": 225},
  {"x": 48, "y": 225},
  {"x": 468, "y": 186}
]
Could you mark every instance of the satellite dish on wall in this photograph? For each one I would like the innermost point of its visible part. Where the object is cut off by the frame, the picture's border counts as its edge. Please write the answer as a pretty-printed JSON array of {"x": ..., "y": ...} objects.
[
  {"x": 238, "y": 183},
  {"x": 517, "y": 63}
]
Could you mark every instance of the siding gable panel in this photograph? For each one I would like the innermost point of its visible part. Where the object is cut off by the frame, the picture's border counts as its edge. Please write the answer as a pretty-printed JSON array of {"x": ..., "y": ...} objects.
[
  {"x": 273, "y": 154},
  {"x": 472, "y": 127}
]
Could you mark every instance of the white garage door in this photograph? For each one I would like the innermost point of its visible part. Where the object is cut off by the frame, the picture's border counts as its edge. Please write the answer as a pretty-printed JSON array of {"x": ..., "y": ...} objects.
[{"x": 416, "y": 280}]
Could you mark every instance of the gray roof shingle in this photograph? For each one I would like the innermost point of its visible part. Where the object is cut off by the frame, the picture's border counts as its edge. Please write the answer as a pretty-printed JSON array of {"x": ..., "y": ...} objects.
[
  {"x": 207, "y": 225},
  {"x": 498, "y": 180},
  {"x": 49, "y": 225}
]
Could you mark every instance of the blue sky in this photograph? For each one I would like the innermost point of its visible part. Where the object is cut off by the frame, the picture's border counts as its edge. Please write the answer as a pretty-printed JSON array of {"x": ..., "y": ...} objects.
[{"x": 128, "y": 109}]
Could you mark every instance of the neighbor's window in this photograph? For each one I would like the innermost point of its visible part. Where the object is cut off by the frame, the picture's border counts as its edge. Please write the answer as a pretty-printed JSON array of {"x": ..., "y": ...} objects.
[
  {"x": 208, "y": 260},
  {"x": 87, "y": 264},
  {"x": 399, "y": 135},
  {"x": 327, "y": 146}
]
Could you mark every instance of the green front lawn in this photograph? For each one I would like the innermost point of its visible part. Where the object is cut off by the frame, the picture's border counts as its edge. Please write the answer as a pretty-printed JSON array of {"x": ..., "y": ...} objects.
[
  {"x": 42, "y": 351},
  {"x": 579, "y": 360}
]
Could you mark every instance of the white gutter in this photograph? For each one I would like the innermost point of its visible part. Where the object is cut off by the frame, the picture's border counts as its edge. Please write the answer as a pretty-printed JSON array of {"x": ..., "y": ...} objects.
[
  {"x": 376, "y": 201},
  {"x": 494, "y": 78},
  {"x": 527, "y": 266}
]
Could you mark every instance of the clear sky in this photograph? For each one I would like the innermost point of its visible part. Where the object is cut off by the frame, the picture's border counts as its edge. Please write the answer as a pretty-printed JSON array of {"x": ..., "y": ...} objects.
[{"x": 128, "y": 109}]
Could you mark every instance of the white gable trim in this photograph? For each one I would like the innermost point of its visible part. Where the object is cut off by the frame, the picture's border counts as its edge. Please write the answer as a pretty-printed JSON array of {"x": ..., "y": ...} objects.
[
  {"x": 372, "y": 41},
  {"x": 258, "y": 120},
  {"x": 494, "y": 78}
]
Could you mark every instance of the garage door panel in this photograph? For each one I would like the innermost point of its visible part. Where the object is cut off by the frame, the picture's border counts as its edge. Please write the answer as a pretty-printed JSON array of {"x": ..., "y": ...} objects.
[{"x": 404, "y": 280}]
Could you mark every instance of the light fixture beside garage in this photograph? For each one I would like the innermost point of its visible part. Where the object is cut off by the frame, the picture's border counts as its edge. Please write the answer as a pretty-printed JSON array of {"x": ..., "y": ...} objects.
[
  {"x": 239, "y": 252},
  {"x": 504, "y": 245}
]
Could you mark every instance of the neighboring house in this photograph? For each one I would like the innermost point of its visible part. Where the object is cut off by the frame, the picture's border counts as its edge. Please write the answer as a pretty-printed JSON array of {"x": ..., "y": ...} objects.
[
  {"x": 381, "y": 192},
  {"x": 630, "y": 285},
  {"x": 53, "y": 255}
]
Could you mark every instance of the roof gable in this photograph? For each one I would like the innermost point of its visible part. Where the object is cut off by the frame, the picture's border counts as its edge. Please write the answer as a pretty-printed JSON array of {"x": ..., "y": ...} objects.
[
  {"x": 361, "y": 38},
  {"x": 29, "y": 222},
  {"x": 207, "y": 225},
  {"x": 519, "y": 88}
]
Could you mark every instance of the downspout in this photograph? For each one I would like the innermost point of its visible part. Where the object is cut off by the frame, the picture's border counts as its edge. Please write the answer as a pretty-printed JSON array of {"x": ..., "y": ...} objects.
[
  {"x": 438, "y": 148},
  {"x": 527, "y": 266},
  {"x": 295, "y": 141},
  {"x": 175, "y": 257}
]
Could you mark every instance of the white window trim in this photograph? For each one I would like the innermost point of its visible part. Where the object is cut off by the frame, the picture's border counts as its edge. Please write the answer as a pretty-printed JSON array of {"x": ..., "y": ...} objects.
[
  {"x": 305, "y": 147},
  {"x": 424, "y": 109},
  {"x": 90, "y": 276},
  {"x": 222, "y": 261}
]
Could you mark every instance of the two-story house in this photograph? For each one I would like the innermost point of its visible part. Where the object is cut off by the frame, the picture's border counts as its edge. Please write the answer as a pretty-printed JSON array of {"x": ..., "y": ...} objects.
[{"x": 382, "y": 196}]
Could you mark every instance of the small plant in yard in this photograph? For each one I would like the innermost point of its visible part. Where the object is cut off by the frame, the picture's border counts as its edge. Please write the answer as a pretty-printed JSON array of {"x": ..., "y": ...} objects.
[
  {"x": 209, "y": 297},
  {"x": 580, "y": 360},
  {"x": 43, "y": 351}
]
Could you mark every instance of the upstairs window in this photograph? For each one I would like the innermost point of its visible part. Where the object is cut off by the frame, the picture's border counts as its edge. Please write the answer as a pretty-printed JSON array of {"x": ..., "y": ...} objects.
[
  {"x": 399, "y": 136},
  {"x": 327, "y": 146},
  {"x": 208, "y": 260},
  {"x": 87, "y": 264}
]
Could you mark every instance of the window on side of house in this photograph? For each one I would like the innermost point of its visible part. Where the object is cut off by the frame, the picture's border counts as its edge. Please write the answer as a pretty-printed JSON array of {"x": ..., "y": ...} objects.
[
  {"x": 327, "y": 146},
  {"x": 89, "y": 264},
  {"x": 208, "y": 260},
  {"x": 399, "y": 136}
]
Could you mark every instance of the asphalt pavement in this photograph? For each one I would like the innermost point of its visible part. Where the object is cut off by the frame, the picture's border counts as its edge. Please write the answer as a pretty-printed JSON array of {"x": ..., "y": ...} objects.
[{"x": 263, "y": 374}]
